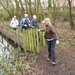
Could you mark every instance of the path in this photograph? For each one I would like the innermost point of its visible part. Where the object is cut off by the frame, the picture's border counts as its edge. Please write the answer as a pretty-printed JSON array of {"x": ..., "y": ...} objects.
[{"x": 65, "y": 53}]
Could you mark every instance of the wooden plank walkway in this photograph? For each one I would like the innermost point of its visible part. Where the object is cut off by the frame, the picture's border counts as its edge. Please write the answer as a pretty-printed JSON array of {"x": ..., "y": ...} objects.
[
  {"x": 13, "y": 35},
  {"x": 22, "y": 39}
]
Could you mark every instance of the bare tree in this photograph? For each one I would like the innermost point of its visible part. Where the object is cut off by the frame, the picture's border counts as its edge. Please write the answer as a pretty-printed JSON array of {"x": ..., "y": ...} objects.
[
  {"x": 13, "y": 7},
  {"x": 71, "y": 21},
  {"x": 49, "y": 3},
  {"x": 53, "y": 11},
  {"x": 7, "y": 5},
  {"x": 22, "y": 8}
]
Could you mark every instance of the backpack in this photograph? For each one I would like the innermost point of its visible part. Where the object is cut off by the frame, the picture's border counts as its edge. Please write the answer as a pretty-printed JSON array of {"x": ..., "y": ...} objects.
[{"x": 26, "y": 22}]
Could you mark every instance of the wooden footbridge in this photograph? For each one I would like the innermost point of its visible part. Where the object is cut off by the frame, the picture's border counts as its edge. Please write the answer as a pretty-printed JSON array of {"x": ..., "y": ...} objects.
[{"x": 28, "y": 39}]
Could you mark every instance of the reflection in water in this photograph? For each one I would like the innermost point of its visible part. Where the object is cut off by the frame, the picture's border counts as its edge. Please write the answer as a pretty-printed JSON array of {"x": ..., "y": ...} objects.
[
  {"x": 5, "y": 54},
  {"x": 5, "y": 43},
  {"x": 5, "y": 47},
  {"x": 0, "y": 38}
]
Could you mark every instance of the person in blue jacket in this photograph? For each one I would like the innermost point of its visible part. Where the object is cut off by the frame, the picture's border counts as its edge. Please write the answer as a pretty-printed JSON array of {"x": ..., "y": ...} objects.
[{"x": 25, "y": 22}]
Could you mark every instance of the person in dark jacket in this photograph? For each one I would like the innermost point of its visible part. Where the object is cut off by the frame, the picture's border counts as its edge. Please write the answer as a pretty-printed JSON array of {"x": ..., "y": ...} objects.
[
  {"x": 52, "y": 39},
  {"x": 34, "y": 22}
]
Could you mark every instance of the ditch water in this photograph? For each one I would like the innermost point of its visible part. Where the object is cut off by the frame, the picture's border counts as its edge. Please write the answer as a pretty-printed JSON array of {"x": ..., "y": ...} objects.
[
  {"x": 5, "y": 47},
  {"x": 7, "y": 55}
]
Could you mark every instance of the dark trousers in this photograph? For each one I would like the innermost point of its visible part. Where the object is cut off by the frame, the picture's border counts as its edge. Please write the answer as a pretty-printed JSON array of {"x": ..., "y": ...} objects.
[
  {"x": 14, "y": 29},
  {"x": 24, "y": 27},
  {"x": 51, "y": 50}
]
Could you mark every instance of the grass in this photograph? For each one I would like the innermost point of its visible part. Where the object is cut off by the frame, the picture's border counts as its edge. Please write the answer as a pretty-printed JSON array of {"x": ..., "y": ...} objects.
[
  {"x": 63, "y": 46},
  {"x": 19, "y": 64},
  {"x": 27, "y": 68}
]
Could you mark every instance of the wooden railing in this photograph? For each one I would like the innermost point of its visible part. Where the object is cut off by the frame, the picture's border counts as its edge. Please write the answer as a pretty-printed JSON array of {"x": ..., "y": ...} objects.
[{"x": 28, "y": 39}]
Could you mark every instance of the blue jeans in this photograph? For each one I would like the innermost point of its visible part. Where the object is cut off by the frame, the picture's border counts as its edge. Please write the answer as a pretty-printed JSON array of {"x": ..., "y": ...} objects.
[{"x": 51, "y": 50}]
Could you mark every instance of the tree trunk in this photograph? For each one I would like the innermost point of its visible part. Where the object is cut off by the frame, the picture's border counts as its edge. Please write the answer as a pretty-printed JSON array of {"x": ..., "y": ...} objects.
[
  {"x": 30, "y": 8},
  {"x": 26, "y": 5},
  {"x": 49, "y": 3},
  {"x": 6, "y": 9},
  {"x": 22, "y": 8},
  {"x": 71, "y": 21}
]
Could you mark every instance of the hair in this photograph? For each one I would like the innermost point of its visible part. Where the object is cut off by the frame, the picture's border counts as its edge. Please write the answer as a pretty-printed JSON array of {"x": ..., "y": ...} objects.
[
  {"x": 34, "y": 16},
  {"x": 14, "y": 16},
  {"x": 47, "y": 20},
  {"x": 26, "y": 15},
  {"x": 49, "y": 23}
]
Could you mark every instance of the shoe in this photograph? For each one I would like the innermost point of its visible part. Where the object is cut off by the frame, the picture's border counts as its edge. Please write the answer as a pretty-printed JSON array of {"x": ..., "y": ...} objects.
[
  {"x": 48, "y": 59},
  {"x": 53, "y": 63}
]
